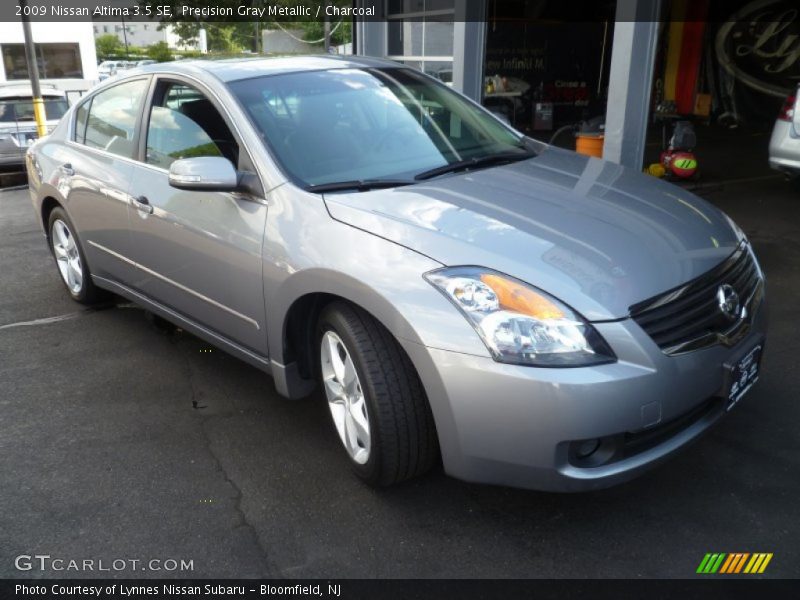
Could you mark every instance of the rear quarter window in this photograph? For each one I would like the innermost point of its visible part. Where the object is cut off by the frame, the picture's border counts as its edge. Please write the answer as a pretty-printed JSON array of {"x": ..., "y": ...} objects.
[{"x": 81, "y": 117}]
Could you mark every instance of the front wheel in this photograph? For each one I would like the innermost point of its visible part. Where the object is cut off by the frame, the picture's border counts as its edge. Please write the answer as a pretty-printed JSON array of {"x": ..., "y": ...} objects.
[{"x": 376, "y": 399}]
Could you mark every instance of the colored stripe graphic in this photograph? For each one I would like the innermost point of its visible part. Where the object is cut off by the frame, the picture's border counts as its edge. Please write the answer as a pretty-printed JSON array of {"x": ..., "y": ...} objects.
[
  {"x": 711, "y": 563},
  {"x": 727, "y": 564},
  {"x": 734, "y": 562},
  {"x": 703, "y": 563},
  {"x": 758, "y": 563},
  {"x": 741, "y": 562}
]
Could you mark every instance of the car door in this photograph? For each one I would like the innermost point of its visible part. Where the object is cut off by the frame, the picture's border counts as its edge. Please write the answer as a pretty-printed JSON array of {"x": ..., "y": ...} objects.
[
  {"x": 198, "y": 252},
  {"x": 96, "y": 167}
]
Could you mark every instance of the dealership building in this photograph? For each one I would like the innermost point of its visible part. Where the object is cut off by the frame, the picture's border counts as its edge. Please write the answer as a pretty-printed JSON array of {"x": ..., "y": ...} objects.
[
  {"x": 543, "y": 64},
  {"x": 66, "y": 55}
]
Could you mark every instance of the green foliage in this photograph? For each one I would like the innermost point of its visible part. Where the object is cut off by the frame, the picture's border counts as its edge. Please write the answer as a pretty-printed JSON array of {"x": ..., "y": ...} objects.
[
  {"x": 189, "y": 53},
  {"x": 315, "y": 30},
  {"x": 108, "y": 45},
  {"x": 230, "y": 36},
  {"x": 187, "y": 31},
  {"x": 160, "y": 52}
]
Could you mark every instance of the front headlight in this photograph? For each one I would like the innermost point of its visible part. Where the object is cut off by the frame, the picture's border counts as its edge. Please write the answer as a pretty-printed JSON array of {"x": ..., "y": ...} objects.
[{"x": 518, "y": 323}]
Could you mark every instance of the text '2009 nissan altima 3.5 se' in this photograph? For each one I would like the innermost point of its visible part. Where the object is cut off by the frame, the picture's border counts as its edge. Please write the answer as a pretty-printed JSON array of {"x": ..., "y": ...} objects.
[{"x": 527, "y": 315}]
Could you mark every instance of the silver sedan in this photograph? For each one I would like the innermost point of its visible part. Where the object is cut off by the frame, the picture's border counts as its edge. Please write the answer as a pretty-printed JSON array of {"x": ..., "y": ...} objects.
[{"x": 461, "y": 293}]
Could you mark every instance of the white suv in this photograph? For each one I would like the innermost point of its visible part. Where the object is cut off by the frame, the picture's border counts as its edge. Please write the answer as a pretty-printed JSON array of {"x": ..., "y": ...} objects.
[{"x": 18, "y": 124}]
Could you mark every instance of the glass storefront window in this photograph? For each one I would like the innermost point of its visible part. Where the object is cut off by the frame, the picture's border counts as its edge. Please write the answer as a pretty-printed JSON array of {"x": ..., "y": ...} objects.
[
  {"x": 56, "y": 61},
  {"x": 428, "y": 37},
  {"x": 420, "y": 34}
]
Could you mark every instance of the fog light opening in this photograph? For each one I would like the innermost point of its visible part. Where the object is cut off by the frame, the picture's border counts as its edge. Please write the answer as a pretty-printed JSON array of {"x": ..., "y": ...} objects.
[{"x": 586, "y": 448}]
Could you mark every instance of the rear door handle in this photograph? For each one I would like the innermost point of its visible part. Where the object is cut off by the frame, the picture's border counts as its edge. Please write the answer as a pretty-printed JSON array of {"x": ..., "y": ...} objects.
[
  {"x": 143, "y": 204},
  {"x": 67, "y": 169}
]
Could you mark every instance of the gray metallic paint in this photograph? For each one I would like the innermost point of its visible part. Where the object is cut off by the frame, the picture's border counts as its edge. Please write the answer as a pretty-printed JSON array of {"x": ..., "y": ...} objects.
[
  {"x": 595, "y": 235},
  {"x": 592, "y": 233}
]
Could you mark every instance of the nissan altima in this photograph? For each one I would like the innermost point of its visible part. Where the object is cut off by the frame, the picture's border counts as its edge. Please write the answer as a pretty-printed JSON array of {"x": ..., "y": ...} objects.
[{"x": 460, "y": 293}]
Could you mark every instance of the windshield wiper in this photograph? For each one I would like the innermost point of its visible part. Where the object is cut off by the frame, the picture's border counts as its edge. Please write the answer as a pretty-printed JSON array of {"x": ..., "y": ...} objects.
[
  {"x": 361, "y": 185},
  {"x": 473, "y": 163}
]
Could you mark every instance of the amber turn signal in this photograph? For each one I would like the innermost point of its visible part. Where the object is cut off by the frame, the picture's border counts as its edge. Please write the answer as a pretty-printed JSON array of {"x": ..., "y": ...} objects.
[{"x": 518, "y": 298}]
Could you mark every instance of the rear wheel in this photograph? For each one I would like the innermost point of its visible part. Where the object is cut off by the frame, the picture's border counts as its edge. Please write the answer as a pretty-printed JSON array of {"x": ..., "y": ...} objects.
[
  {"x": 71, "y": 262},
  {"x": 377, "y": 403}
]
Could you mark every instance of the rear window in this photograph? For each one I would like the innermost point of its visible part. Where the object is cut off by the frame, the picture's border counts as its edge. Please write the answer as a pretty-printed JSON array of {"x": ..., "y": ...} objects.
[{"x": 21, "y": 109}]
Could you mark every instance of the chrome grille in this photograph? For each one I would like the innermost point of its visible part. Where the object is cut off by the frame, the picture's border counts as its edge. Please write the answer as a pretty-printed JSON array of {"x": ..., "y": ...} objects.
[{"x": 689, "y": 317}]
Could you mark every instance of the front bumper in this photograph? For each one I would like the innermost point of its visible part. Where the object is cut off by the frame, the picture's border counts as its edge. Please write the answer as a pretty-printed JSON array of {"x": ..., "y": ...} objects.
[{"x": 518, "y": 426}]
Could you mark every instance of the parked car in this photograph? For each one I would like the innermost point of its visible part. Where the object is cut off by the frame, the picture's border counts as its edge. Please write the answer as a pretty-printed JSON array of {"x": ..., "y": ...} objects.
[
  {"x": 18, "y": 123},
  {"x": 534, "y": 317},
  {"x": 110, "y": 68},
  {"x": 145, "y": 62},
  {"x": 784, "y": 145}
]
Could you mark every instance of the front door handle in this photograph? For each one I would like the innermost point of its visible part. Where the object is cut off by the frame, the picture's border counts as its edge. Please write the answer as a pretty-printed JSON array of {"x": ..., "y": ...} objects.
[
  {"x": 143, "y": 204},
  {"x": 67, "y": 169}
]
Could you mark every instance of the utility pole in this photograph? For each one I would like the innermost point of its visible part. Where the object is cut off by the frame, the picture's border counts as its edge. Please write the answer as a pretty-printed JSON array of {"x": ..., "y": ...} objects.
[
  {"x": 33, "y": 73},
  {"x": 257, "y": 30},
  {"x": 125, "y": 36},
  {"x": 327, "y": 29}
]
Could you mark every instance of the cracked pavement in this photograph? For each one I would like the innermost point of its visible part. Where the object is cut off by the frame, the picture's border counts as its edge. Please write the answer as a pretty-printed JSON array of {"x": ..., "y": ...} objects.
[{"x": 121, "y": 440}]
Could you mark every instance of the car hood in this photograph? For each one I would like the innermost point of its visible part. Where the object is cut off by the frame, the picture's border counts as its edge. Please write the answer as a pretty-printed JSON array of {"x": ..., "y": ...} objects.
[{"x": 598, "y": 236}]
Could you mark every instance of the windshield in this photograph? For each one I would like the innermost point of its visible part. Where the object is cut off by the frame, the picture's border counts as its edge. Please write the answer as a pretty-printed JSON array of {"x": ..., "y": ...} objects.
[
  {"x": 368, "y": 124},
  {"x": 21, "y": 109}
]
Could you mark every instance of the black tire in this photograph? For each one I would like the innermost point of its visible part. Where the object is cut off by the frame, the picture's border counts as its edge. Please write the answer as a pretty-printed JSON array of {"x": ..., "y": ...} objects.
[
  {"x": 403, "y": 436},
  {"x": 88, "y": 292}
]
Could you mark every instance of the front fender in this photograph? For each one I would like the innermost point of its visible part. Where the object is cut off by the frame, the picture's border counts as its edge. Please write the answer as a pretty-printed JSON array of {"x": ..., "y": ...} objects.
[{"x": 308, "y": 252}]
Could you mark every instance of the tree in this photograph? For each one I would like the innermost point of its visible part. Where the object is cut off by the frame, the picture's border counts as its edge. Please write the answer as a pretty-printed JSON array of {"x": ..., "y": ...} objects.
[
  {"x": 108, "y": 45},
  {"x": 160, "y": 52},
  {"x": 315, "y": 30},
  {"x": 229, "y": 35},
  {"x": 187, "y": 31},
  {"x": 220, "y": 36}
]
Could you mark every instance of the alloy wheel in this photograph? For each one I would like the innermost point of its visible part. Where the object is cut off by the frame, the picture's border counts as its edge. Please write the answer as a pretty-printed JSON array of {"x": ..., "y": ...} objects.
[
  {"x": 345, "y": 397},
  {"x": 68, "y": 257}
]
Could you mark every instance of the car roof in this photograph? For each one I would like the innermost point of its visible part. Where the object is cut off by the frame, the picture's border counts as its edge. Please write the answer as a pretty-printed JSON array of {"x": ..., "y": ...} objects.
[
  {"x": 21, "y": 89},
  {"x": 244, "y": 68}
]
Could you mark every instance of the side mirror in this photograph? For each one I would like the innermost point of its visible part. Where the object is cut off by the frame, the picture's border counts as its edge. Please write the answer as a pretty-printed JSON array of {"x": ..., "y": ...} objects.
[
  {"x": 204, "y": 173},
  {"x": 796, "y": 115}
]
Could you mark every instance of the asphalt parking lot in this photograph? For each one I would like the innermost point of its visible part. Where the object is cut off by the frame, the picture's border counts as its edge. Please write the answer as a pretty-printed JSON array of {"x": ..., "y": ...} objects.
[{"x": 118, "y": 440}]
